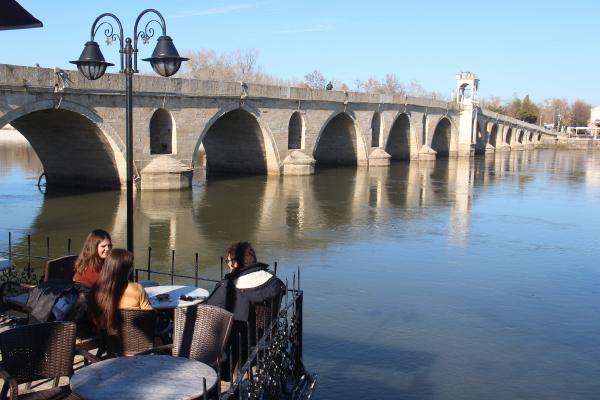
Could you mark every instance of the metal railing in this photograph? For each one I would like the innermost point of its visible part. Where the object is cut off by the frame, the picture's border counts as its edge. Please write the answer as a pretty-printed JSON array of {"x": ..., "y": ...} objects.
[{"x": 274, "y": 368}]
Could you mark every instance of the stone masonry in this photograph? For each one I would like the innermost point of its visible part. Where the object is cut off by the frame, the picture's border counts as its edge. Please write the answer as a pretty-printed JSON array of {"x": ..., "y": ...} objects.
[{"x": 77, "y": 127}]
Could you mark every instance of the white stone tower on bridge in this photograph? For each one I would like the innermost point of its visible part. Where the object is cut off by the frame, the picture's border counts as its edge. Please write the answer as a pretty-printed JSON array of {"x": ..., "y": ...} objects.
[{"x": 467, "y": 89}]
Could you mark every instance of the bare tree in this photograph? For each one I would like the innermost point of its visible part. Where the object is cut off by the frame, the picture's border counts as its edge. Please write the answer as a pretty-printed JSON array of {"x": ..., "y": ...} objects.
[
  {"x": 315, "y": 80},
  {"x": 562, "y": 112},
  {"x": 207, "y": 65},
  {"x": 391, "y": 85},
  {"x": 339, "y": 85},
  {"x": 245, "y": 64},
  {"x": 414, "y": 88},
  {"x": 580, "y": 111},
  {"x": 493, "y": 103}
]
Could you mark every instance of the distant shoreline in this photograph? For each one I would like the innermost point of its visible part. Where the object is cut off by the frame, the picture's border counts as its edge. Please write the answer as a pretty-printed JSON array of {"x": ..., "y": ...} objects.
[{"x": 10, "y": 134}]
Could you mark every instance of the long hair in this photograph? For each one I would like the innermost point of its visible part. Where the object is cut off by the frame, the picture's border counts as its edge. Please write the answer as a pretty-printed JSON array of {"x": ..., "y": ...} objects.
[
  {"x": 88, "y": 257},
  {"x": 106, "y": 294}
]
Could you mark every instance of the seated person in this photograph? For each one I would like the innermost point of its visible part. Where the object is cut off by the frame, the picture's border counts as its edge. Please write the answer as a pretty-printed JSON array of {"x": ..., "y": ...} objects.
[
  {"x": 113, "y": 291},
  {"x": 248, "y": 282},
  {"x": 92, "y": 256}
]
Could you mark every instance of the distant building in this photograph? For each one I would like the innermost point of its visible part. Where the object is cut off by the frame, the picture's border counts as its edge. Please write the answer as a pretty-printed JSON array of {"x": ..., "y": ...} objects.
[{"x": 595, "y": 116}]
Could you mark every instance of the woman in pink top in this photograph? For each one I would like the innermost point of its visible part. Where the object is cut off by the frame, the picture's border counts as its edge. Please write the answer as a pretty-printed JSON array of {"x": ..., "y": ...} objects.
[{"x": 95, "y": 249}]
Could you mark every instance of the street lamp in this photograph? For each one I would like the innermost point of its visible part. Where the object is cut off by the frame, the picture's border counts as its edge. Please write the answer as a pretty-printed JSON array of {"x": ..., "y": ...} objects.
[{"x": 165, "y": 61}]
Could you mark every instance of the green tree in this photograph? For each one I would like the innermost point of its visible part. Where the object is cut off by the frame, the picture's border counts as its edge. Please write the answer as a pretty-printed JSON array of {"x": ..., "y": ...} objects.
[
  {"x": 528, "y": 111},
  {"x": 513, "y": 108}
]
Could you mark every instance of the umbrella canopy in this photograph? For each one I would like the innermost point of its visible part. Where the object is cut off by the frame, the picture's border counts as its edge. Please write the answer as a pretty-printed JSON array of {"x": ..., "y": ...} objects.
[{"x": 13, "y": 16}]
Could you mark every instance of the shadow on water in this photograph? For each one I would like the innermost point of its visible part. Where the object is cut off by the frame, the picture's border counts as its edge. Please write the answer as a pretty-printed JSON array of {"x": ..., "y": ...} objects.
[{"x": 351, "y": 369}]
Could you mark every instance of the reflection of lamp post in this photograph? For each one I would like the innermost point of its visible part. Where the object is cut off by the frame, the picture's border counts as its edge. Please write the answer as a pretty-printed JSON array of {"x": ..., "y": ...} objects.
[{"x": 165, "y": 61}]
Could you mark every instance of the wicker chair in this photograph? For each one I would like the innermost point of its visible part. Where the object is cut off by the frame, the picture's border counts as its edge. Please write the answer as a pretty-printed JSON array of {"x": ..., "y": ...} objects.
[
  {"x": 135, "y": 335},
  {"x": 201, "y": 333},
  {"x": 34, "y": 352}
]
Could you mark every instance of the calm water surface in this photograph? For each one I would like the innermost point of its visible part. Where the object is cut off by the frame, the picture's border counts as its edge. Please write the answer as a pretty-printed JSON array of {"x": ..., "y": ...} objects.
[{"x": 447, "y": 280}]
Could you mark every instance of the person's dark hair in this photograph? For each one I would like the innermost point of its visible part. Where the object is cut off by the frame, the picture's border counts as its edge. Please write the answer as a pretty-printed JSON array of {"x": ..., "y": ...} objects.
[
  {"x": 242, "y": 252},
  {"x": 88, "y": 256},
  {"x": 106, "y": 294}
]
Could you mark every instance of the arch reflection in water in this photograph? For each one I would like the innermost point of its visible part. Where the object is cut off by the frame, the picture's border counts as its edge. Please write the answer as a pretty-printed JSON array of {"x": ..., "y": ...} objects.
[{"x": 294, "y": 213}]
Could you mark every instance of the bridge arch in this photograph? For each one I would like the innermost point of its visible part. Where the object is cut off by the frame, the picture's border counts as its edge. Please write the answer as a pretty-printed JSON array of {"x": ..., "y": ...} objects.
[
  {"x": 296, "y": 129},
  {"x": 73, "y": 143},
  {"x": 442, "y": 141},
  {"x": 481, "y": 137},
  {"x": 530, "y": 136},
  {"x": 424, "y": 130},
  {"x": 508, "y": 136},
  {"x": 376, "y": 130},
  {"x": 521, "y": 135},
  {"x": 162, "y": 127},
  {"x": 398, "y": 141},
  {"x": 340, "y": 142},
  {"x": 494, "y": 135},
  {"x": 236, "y": 140}
]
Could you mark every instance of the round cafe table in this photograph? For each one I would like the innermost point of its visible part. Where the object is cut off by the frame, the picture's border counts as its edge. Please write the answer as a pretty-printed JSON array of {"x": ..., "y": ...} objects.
[
  {"x": 175, "y": 292},
  {"x": 149, "y": 377}
]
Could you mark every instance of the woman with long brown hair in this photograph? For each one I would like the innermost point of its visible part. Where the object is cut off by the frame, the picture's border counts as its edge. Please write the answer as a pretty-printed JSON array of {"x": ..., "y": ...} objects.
[
  {"x": 113, "y": 291},
  {"x": 95, "y": 249}
]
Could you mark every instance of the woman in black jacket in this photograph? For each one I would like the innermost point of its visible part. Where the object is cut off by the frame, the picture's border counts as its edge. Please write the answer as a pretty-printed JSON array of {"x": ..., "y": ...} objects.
[
  {"x": 252, "y": 294},
  {"x": 249, "y": 282}
]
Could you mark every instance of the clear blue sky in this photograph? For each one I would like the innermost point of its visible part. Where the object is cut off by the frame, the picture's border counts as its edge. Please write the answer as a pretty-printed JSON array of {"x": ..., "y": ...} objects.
[{"x": 541, "y": 48}]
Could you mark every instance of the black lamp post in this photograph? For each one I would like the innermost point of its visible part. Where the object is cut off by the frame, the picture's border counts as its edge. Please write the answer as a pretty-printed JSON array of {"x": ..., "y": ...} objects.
[{"x": 165, "y": 61}]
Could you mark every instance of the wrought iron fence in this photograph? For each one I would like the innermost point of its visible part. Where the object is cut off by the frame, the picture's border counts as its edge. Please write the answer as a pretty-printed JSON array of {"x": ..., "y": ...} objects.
[{"x": 274, "y": 368}]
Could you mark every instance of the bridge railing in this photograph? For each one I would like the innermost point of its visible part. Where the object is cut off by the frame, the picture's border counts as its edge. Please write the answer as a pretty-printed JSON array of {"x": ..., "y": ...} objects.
[{"x": 24, "y": 78}]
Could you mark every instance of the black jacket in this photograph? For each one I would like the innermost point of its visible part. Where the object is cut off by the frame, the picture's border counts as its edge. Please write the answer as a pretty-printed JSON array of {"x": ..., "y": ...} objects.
[
  {"x": 238, "y": 301},
  {"x": 44, "y": 296}
]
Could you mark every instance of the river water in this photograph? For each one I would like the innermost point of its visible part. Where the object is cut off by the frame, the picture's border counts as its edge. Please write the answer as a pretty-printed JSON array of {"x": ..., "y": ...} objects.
[{"x": 446, "y": 280}]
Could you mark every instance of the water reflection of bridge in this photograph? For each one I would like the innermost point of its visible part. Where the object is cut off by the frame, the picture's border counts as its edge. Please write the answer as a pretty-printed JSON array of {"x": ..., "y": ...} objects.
[{"x": 295, "y": 213}]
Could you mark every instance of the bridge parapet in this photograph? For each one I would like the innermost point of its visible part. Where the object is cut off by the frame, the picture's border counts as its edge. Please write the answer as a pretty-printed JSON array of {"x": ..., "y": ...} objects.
[
  {"x": 40, "y": 78},
  {"x": 510, "y": 120}
]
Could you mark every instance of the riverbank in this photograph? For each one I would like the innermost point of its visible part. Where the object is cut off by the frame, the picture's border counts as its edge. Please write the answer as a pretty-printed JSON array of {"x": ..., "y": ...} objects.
[
  {"x": 577, "y": 143},
  {"x": 10, "y": 134}
]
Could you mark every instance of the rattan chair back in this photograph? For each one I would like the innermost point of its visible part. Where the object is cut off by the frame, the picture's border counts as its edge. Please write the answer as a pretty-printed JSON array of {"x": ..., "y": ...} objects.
[
  {"x": 201, "y": 332},
  {"x": 261, "y": 317},
  {"x": 40, "y": 351},
  {"x": 60, "y": 269},
  {"x": 135, "y": 333}
]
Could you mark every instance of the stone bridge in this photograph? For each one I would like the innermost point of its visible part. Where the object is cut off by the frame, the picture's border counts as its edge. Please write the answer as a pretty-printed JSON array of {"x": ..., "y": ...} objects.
[{"x": 77, "y": 127}]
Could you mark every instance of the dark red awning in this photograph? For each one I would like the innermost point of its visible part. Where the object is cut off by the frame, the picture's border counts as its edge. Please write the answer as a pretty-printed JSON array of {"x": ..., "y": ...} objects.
[{"x": 13, "y": 16}]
